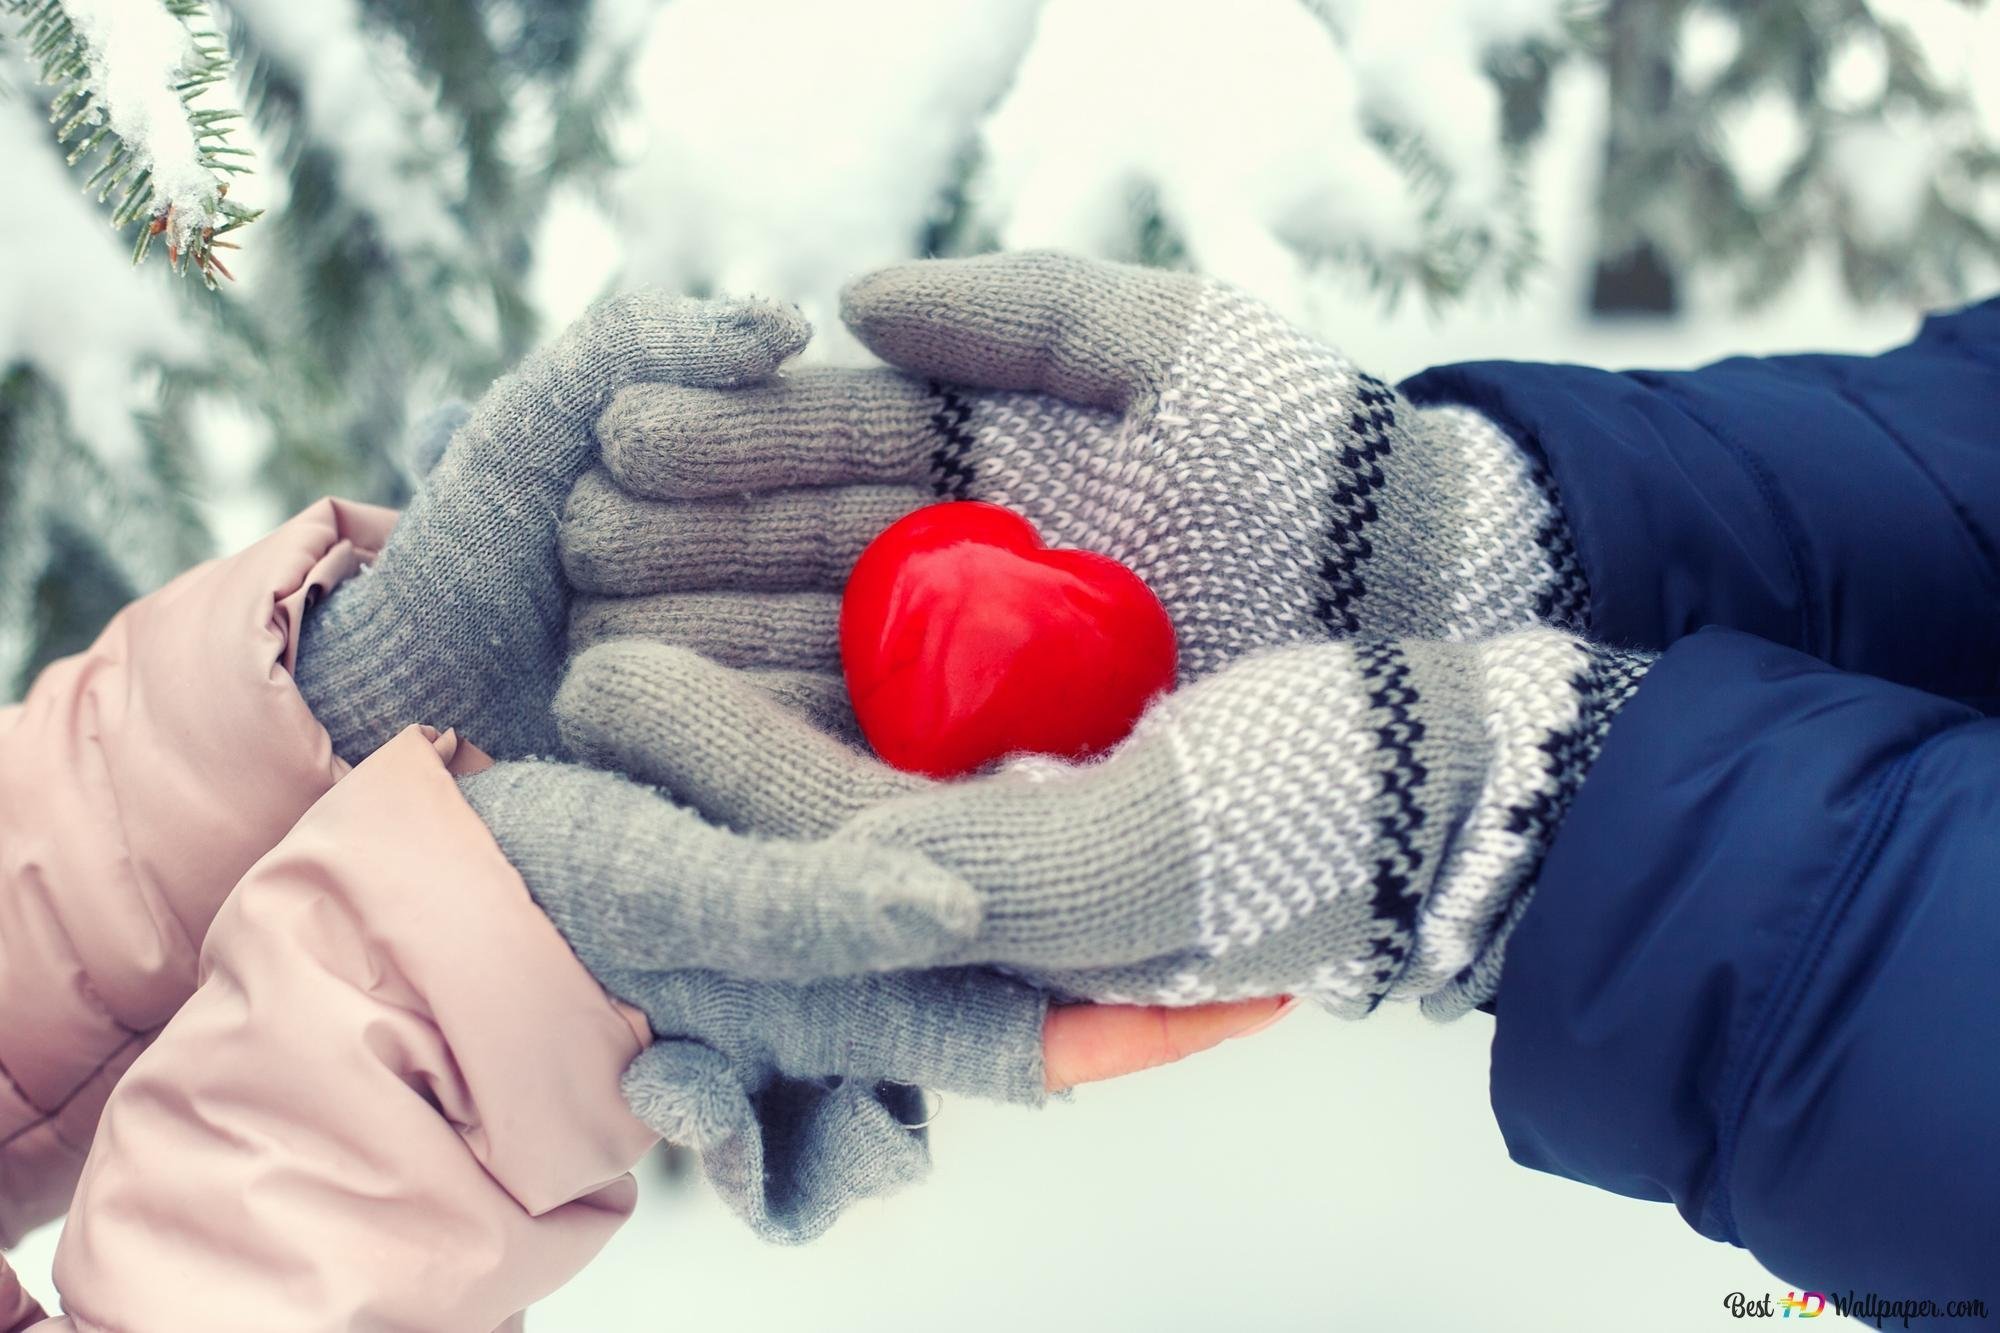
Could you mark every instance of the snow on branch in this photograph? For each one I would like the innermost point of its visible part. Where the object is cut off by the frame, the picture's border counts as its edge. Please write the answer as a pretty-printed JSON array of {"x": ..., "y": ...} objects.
[{"x": 127, "y": 74}]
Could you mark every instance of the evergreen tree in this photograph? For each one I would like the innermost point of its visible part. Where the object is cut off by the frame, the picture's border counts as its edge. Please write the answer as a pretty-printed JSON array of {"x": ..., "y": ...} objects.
[
  {"x": 1747, "y": 135},
  {"x": 126, "y": 82}
]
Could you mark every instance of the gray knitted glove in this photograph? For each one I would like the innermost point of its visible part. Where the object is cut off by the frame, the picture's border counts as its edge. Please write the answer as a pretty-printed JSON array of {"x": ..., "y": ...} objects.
[
  {"x": 602, "y": 854},
  {"x": 797, "y": 1153},
  {"x": 1348, "y": 821},
  {"x": 1265, "y": 488},
  {"x": 461, "y": 622},
  {"x": 800, "y": 1098},
  {"x": 791, "y": 1092}
]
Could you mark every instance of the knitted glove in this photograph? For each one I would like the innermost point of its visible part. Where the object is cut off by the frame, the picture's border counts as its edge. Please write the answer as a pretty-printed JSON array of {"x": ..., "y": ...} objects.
[
  {"x": 1347, "y": 821},
  {"x": 1268, "y": 491},
  {"x": 461, "y": 622},
  {"x": 800, "y": 1099},
  {"x": 798, "y": 1153},
  {"x": 793, "y": 1093}
]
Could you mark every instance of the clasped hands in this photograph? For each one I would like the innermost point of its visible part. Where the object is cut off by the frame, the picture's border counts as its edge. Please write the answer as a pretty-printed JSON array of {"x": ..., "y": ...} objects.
[{"x": 622, "y": 580}]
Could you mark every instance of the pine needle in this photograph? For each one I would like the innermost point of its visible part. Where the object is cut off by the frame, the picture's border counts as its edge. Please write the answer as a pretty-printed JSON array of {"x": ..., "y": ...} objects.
[{"x": 121, "y": 173}]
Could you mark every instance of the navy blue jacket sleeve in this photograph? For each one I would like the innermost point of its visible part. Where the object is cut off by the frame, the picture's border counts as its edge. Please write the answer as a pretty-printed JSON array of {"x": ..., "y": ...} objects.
[
  {"x": 1760, "y": 975},
  {"x": 1846, "y": 506}
]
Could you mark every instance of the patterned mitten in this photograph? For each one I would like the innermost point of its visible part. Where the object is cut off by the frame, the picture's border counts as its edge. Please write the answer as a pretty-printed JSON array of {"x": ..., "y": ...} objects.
[
  {"x": 1269, "y": 491},
  {"x": 1346, "y": 820},
  {"x": 461, "y": 622}
]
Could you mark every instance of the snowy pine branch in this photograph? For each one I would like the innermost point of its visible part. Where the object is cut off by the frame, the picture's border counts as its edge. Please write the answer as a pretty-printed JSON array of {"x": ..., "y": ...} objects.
[{"x": 127, "y": 77}]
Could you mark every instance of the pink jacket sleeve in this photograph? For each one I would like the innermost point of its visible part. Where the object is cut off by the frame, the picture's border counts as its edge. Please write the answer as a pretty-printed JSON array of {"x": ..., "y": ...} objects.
[
  {"x": 138, "y": 781},
  {"x": 392, "y": 1104}
]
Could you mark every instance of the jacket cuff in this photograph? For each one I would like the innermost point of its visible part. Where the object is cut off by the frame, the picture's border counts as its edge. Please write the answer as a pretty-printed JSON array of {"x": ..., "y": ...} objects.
[
  {"x": 138, "y": 781},
  {"x": 394, "y": 1101},
  {"x": 1789, "y": 498},
  {"x": 1755, "y": 962}
]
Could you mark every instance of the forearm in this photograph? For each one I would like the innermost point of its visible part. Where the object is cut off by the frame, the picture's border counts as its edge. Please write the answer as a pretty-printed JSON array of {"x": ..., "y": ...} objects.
[
  {"x": 138, "y": 781},
  {"x": 1758, "y": 956},
  {"x": 1790, "y": 498},
  {"x": 393, "y": 1102}
]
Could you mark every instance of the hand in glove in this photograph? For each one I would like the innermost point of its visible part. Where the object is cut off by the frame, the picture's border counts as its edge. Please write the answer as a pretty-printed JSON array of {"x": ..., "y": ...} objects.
[
  {"x": 1267, "y": 489},
  {"x": 1347, "y": 821},
  {"x": 794, "y": 1093},
  {"x": 462, "y": 621}
]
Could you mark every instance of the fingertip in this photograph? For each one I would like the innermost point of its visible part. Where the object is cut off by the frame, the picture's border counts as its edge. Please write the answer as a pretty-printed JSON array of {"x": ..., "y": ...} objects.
[
  {"x": 861, "y": 298},
  {"x": 685, "y": 1092},
  {"x": 769, "y": 332},
  {"x": 647, "y": 436},
  {"x": 747, "y": 339},
  {"x": 604, "y": 684},
  {"x": 882, "y": 308},
  {"x": 586, "y": 537},
  {"x": 1087, "y": 1043}
]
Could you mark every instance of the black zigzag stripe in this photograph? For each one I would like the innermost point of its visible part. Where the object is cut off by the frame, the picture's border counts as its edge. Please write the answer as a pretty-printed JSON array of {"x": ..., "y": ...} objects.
[
  {"x": 1397, "y": 889},
  {"x": 1602, "y": 686},
  {"x": 1606, "y": 681},
  {"x": 951, "y": 461},
  {"x": 1353, "y": 506},
  {"x": 1566, "y": 602}
]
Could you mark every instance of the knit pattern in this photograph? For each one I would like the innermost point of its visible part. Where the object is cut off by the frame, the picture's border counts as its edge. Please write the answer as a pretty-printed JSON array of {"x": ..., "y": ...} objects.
[
  {"x": 1351, "y": 820},
  {"x": 798, "y": 1096},
  {"x": 1368, "y": 818},
  {"x": 1472, "y": 920},
  {"x": 787, "y": 1157},
  {"x": 775, "y": 1081},
  {"x": 1275, "y": 494},
  {"x": 1267, "y": 490}
]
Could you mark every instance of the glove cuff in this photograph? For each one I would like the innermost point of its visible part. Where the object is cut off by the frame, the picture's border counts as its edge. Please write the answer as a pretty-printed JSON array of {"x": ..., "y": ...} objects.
[
  {"x": 1511, "y": 563},
  {"x": 1485, "y": 886}
]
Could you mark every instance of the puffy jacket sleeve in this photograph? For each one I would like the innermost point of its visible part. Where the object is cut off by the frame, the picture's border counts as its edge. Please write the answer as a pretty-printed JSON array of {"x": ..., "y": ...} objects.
[
  {"x": 392, "y": 1103},
  {"x": 1758, "y": 979},
  {"x": 1847, "y": 506},
  {"x": 138, "y": 781}
]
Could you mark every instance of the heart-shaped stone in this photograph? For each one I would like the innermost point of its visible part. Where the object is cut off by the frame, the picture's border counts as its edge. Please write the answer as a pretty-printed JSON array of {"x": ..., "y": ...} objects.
[{"x": 965, "y": 639}]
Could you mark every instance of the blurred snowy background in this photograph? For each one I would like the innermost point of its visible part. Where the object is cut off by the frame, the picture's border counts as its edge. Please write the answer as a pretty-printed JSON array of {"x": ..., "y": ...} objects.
[{"x": 447, "y": 181}]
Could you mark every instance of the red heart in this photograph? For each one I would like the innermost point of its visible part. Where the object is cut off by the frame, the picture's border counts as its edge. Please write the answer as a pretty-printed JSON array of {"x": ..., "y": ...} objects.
[{"x": 964, "y": 639}]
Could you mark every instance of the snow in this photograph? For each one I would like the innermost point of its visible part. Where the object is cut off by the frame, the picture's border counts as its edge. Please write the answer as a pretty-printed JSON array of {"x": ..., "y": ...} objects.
[
  {"x": 578, "y": 247},
  {"x": 1420, "y": 66},
  {"x": 1762, "y": 138},
  {"x": 364, "y": 101},
  {"x": 783, "y": 148},
  {"x": 1709, "y": 41},
  {"x": 1857, "y": 73},
  {"x": 780, "y": 146},
  {"x": 1886, "y": 168},
  {"x": 70, "y": 302},
  {"x": 137, "y": 54},
  {"x": 1244, "y": 120}
]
